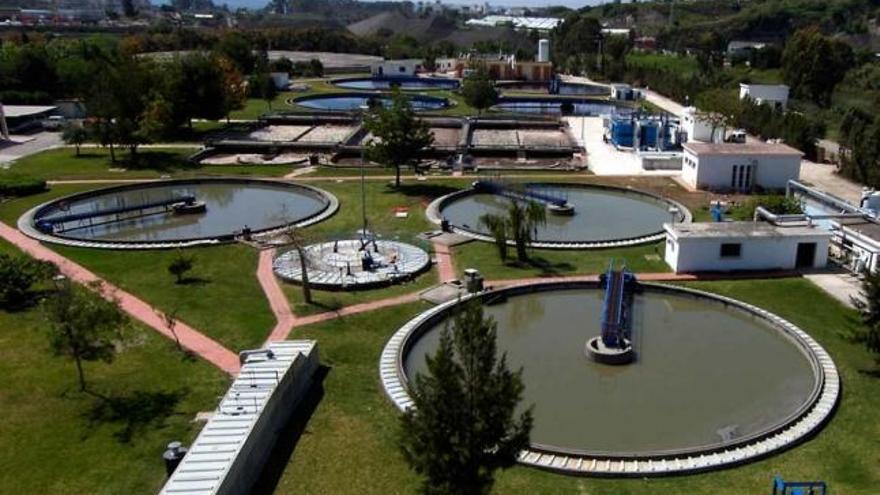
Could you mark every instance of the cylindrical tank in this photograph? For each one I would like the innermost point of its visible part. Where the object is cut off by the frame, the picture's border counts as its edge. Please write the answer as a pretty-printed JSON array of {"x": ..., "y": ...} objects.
[{"x": 543, "y": 50}]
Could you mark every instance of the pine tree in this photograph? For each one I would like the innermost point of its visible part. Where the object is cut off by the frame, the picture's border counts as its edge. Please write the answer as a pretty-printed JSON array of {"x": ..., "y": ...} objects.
[
  {"x": 400, "y": 135},
  {"x": 464, "y": 424},
  {"x": 869, "y": 308}
]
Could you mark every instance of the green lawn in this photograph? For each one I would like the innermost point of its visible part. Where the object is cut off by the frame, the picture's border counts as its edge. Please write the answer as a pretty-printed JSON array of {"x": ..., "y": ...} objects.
[
  {"x": 152, "y": 163},
  {"x": 551, "y": 262},
  {"x": 222, "y": 297},
  {"x": 350, "y": 442},
  {"x": 55, "y": 439}
]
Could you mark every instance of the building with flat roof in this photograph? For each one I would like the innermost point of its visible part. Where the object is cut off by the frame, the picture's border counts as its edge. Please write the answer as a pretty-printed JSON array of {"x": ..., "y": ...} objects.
[
  {"x": 740, "y": 167},
  {"x": 856, "y": 242},
  {"x": 19, "y": 118},
  {"x": 735, "y": 246},
  {"x": 775, "y": 95},
  {"x": 407, "y": 67}
]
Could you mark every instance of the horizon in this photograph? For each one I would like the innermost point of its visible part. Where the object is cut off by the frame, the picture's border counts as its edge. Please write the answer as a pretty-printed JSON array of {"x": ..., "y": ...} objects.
[{"x": 572, "y": 4}]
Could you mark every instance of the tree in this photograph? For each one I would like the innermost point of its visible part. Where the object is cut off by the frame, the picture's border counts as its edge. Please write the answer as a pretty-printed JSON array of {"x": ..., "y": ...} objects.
[
  {"x": 868, "y": 306},
  {"x": 399, "y": 136},
  {"x": 813, "y": 64},
  {"x": 262, "y": 85},
  {"x": 83, "y": 326},
  {"x": 180, "y": 265},
  {"x": 17, "y": 275},
  {"x": 718, "y": 108},
  {"x": 234, "y": 87},
  {"x": 463, "y": 425},
  {"x": 478, "y": 89},
  {"x": 497, "y": 226},
  {"x": 296, "y": 238},
  {"x": 75, "y": 134},
  {"x": 520, "y": 222}
]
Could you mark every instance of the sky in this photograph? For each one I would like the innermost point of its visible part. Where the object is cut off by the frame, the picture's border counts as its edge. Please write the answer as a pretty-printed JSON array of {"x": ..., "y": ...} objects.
[{"x": 256, "y": 4}]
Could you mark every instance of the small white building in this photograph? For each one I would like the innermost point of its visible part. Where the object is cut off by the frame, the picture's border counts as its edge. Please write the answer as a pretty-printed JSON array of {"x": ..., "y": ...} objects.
[
  {"x": 857, "y": 243},
  {"x": 742, "y": 246},
  {"x": 741, "y": 167},
  {"x": 696, "y": 128},
  {"x": 620, "y": 91},
  {"x": 775, "y": 95},
  {"x": 396, "y": 68}
]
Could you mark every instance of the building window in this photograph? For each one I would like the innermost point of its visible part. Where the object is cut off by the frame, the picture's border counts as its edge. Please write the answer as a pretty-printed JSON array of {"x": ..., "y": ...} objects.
[
  {"x": 731, "y": 250},
  {"x": 733, "y": 176}
]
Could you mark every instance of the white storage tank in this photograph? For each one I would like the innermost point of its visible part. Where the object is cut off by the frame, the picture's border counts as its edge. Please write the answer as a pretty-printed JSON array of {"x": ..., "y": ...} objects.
[{"x": 543, "y": 50}]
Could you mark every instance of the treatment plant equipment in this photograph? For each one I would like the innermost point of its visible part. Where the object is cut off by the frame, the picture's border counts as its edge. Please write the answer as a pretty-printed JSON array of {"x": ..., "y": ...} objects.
[
  {"x": 614, "y": 345},
  {"x": 179, "y": 205},
  {"x": 557, "y": 203}
]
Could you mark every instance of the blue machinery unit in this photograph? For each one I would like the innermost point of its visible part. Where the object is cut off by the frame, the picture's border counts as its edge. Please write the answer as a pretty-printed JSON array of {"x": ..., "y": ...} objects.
[
  {"x": 644, "y": 132},
  {"x": 619, "y": 286},
  {"x": 48, "y": 224},
  {"x": 782, "y": 487},
  {"x": 527, "y": 192}
]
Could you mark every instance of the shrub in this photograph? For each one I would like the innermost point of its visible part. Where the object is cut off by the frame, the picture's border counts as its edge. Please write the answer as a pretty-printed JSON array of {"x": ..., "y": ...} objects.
[{"x": 13, "y": 185}]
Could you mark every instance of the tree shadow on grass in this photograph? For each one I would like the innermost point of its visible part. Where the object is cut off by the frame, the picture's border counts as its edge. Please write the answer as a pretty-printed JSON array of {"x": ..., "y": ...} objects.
[
  {"x": 159, "y": 161},
  {"x": 134, "y": 412},
  {"x": 289, "y": 436},
  {"x": 422, "y": 190},
  {"x": 545, "y": 266}
]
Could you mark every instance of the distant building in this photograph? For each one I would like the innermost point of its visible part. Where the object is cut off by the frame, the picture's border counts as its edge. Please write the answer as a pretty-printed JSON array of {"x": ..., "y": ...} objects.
[
  {"x": 625, "y": 92},
  {"x": 20, "y": 118},
  {"x": 645, "y": 44},
  {"x": 741, "y": 246},
  {"x": 735, "y": 48},
  {"x": 396, "y": 68},
  {"x": 775, "y": 95},
  {"x": 517, "y": 21},
  {"x": 739, "y": 167},
  {"x": 696, "y": 128},
  {"x": 499, "y": 67},
  {"x": 616, "y": 31}
]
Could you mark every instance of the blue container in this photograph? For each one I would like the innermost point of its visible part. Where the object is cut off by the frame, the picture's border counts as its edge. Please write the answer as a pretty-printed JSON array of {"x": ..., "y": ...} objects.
[
  {"x": 623, "y": 133},
  {"x": 648, "y": 134}
]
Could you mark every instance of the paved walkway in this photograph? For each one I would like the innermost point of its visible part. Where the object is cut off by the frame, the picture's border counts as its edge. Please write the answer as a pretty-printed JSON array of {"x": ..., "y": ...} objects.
[
  {"x": 841, "y": 286},
  {"x": 357, "y": 308},
  {"x": 277, "y": 299},
  {"x": 35, "y": 143},
  {"x": 445, "y": 266},
  {"x": 825, "y": 177},
  {"x": 191, "y": 339}
]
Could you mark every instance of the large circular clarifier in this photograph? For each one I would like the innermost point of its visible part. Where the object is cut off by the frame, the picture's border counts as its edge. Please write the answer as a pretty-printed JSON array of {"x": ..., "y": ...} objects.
[
  {"x": 710, "y": 376},
  {"x": 602, "y": 216},
  {"x": 347, "y": 102},
  {"x": 140, "y": 214},
  {"x": 404, "y": 83}
]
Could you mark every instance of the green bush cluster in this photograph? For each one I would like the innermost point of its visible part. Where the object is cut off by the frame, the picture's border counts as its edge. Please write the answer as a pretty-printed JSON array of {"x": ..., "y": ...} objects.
[{"x": 14, "y": 185}]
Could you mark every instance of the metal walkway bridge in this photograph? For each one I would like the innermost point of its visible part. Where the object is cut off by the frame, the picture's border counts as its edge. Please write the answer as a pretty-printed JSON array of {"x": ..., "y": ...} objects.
[
  {"x": 48, "y": 224},
  {"x": 618, "y": 285},
  {"x": 521, "y": 193}
]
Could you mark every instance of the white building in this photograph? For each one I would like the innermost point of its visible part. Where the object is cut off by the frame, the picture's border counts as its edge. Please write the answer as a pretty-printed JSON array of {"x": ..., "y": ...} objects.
[
  {"x": 697, "y": 128},
  {"x": 775, "y": 95},
  {"x": 396, "y": 68},
  {"x": 740, "y": 167},
  {"x": 620, "y": 91},
  {"x": 543, "y": 50},
  {"x": 742, "y": 47},
  {"x": 857, "y": 243},
  {"x": 734, "y": 246}
]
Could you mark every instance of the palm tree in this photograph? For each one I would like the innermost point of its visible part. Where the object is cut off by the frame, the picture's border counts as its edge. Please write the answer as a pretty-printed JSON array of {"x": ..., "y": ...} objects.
[{"x": 523, "y": 220}]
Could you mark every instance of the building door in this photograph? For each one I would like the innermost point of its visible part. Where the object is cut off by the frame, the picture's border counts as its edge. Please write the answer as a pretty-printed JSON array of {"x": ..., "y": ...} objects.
[{"x": 806, "y": 254}]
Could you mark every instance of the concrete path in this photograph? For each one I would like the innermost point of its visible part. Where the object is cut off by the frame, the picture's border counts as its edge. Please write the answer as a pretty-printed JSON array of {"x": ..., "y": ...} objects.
[
  {"x": 40, "y": 141},
  {"x": 841, "y": 286},
  {"x": 277, "y": 299},
  {"x": 824, "y": 176},
  {"x": 357, "y": 308},
  {"x": 191, "y": 339},
  {"x": 445, "y": 266}
]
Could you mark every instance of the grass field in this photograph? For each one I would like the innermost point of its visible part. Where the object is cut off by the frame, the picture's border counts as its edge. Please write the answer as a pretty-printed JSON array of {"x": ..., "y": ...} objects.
[
  {"x": 55, "y": 439},
  {"x": 350, "y": 445},
  {"x": 152, "y": 163}
]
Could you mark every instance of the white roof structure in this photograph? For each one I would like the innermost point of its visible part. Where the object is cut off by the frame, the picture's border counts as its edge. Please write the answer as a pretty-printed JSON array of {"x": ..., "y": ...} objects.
[
  {"x": 219, "y": 456},
  {"x": 539, "y": 23},
  {"x": 750, "y": 148},
  {"x": 737, "y": 230},
  {"x": 13, "y": 111}
]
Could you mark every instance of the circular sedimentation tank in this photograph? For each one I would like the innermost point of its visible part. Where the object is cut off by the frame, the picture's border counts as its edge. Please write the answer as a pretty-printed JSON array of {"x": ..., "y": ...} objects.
[
  {"x": 602, "y": 216},
  {"x": 404, "y": 83},
  {"x": 346, "y": 102},
  {"x": 562, "y": 88},
  {"x": 714, "y": 382},
  {"x": 176, "y": 213}
]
